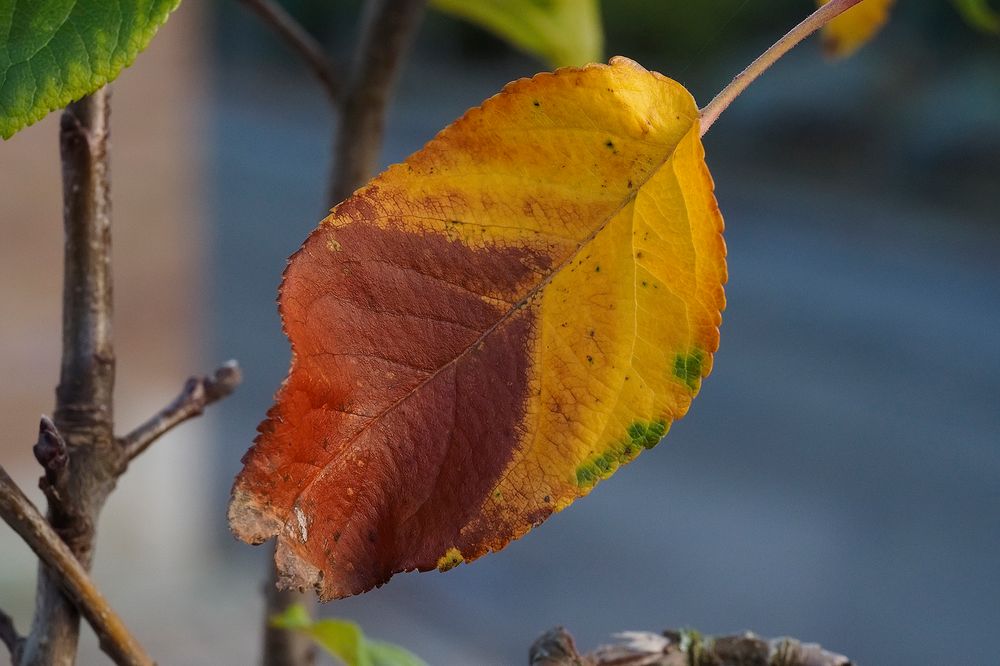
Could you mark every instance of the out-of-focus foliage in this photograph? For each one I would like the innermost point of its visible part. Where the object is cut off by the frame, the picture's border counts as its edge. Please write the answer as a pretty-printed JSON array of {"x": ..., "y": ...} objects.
[
  {"x": 345, "y": 640},
  {"x": 561, "y": 32},
  {"x": 55, "y": 51},
  {"x": 979, "y": 14},
  {"x": 854, "y": 28}
]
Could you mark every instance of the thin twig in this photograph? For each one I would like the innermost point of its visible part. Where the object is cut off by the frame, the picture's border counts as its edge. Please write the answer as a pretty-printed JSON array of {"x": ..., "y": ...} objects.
[
  {"x": 299, "y": 40},
  {"x": 116, "y": 640},
  {"x": 9, "y": 636},
  {"x": 811, "y": 24},
  {"x": 197, "y": 394},
  {"x": 389, "y": 27}
]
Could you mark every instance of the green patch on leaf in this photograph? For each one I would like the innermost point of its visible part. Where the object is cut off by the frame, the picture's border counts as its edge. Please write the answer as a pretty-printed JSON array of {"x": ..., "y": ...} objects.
[
  {"x": 639, "y": 436},
  {"x": 53, "y": 52},
  {"x": 647, "y": 435},
  {"x": 345, "y": 640},
  {"x": 561, "y": 32},
  {"x": 688, "y": 368}
]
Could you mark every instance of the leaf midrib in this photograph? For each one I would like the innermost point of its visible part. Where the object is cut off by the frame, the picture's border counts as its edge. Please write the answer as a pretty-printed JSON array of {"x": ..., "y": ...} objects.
[{"x": 514, "y": 307}]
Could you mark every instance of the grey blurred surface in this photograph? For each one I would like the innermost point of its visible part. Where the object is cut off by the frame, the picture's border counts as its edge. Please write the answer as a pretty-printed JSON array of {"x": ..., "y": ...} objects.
[{"x": 838, "y": 478}]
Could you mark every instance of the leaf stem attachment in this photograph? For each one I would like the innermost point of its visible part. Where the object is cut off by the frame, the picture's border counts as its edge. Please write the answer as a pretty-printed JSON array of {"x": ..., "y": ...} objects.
[{"x": 808, "y": 26}]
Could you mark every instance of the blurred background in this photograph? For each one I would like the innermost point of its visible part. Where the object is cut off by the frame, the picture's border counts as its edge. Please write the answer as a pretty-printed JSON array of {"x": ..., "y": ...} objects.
[{"x": 838, "y": 478}]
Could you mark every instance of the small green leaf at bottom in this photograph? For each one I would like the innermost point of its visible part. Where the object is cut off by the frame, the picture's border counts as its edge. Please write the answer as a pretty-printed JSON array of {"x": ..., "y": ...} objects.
[{"x": 345, "y": 640}]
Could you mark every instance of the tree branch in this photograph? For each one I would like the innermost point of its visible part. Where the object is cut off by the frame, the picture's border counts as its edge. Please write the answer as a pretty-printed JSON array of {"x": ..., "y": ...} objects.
[
  {"x": 299, "y": 40},
  {"x": 83, "y": 415},
  {"x": 389, "y": 27},
  {"x": 197, "y": 394},
  {"x": 18, "y": 512},
  {"x": 285, "y": 647},
  {"x": 9, "y": 636},
  {"x": 682, "y": 648}
]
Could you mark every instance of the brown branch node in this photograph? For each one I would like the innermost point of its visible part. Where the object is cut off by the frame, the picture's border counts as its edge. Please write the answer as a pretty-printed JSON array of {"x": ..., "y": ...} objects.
[
  {"x": 197, "y": 394},
  {"x": 51, "y": 453},
  {"x": 72, "y": 525}
]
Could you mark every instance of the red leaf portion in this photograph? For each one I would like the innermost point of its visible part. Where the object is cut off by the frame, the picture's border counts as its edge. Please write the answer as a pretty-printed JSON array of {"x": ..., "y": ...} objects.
[{"x": 392, "y": 311}]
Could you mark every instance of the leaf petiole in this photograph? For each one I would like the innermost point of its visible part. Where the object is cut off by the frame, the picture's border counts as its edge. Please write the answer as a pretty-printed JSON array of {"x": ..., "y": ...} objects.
[{"x": 711, "y": 112}]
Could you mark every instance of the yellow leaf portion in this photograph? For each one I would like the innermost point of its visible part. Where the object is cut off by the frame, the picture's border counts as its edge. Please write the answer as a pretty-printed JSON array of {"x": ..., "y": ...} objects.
[
  {"x": 626, "y": 334},
  {"x": 854, "y": 28}
]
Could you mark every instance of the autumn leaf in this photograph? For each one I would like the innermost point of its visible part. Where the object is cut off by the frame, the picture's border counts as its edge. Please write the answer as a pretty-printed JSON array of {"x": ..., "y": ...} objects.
[
  {"x": 488, "y": 329},
  {"x": 854, "y": 28}
]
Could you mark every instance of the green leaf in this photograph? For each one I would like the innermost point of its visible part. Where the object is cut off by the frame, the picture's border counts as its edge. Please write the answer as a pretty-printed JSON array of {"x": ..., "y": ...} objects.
[
  {"x": 345, "y": 640},
  {"x": 53, "y": 52},
  {"x": 979, "y": 14},
  {"x": 561, "y": 32}
]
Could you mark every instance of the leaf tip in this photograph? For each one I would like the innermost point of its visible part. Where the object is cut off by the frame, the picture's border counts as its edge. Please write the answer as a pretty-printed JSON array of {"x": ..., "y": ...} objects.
[{"x": 249, "y": 520}]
